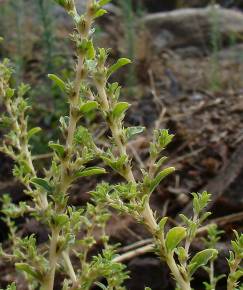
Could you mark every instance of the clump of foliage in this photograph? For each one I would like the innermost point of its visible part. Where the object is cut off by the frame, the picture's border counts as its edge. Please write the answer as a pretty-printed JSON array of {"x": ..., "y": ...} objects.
[{"x": 49, "y": 190}]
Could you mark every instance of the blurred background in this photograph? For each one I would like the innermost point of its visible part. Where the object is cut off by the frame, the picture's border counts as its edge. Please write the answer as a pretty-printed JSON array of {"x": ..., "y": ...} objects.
[{"x": 187, "y": 76}]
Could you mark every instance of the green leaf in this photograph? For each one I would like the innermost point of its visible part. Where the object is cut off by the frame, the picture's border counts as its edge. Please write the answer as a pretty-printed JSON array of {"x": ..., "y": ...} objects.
[
  {"x": 162, "y": 223},
  {"x": 57, "y": 148},
  {"x": 161, "y": 161},
  {"x": 40, "y": 182},
  {"x": 164, "y": 138},
  {"x": 103, "y": 2},
  {"x": 23, "y": 89},
  {"x": 11, "y": 287},
  {"x": 29, "y": 270},
  {"x": 66, "y": 4},
  {"x": 237, "y": 275},
  {"x": 120, "y": 63},
  {"x": 116, "y": 164},
  {"x": 100, "y": 13},
  {"x": 88, "y": 107},
  {"x": 90, "y": 50},
  {"x": 200, "y": 201},
  {"x": 10, "y": 93},
  {"x": 174, "y": 237},
  {"x": 90, "y": 171},
  {"x": 185, "y": 220},
  {"x": 60, "y": 220},
  {"x": 182, "y": 254},
  {"x": 156, "y": 181},
  {"x": 133, "y": 131},
  {"x": 120, "y": 109},
  {"x": 33, "y": 131},
  {"x": 201, "y": 259},
  {"x": 59, "y": 82}
]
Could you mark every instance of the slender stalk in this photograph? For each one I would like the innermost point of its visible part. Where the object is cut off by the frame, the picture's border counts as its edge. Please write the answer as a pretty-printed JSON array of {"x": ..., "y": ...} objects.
[
  {"x": 211, "y": 275},
  {"x": 69, "y": 266},
  {"x": 184, "y": 285},
  {"x": 74, "y": 102},
  {"x": 53, "y": 257}
]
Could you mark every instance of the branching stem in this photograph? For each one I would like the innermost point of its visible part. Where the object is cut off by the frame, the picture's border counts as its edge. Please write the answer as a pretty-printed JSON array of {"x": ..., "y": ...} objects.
[
  {"x": 147, "y": 214},
  {"x": 53, "y": 258},
  {"x": 69, "y": 266}
]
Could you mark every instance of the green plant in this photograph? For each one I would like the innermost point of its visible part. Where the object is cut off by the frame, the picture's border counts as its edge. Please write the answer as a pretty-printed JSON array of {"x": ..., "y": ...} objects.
[
  {"x": 49, "y": 190},
  {"x": 211, "y": 242},
  {"x": 234, "y": 260}
]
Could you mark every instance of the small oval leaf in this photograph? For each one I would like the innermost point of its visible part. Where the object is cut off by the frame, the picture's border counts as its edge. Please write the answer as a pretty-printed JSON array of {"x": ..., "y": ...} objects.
[
  {"x": 103, "y": 2},
  {"x": 90, "y": 50},
  {"x": 40, "y": 182},
  {"x": 59, "y": 82},
  {"x": 28, "y": 270},
  {"x": 174, "y": 237},
  {"x": 201, "y": 259},
  {"x": 89, "y": 106},
  {"x": 119, "y": 109},
  {"x": 100, "y": 13},
  {"x": 133, "y": 131},
  {"x": 59, "y": 149},
  {"x": 60, "y": 220},
  {"x": 156, "y": 181},
  {"x": 90, "y": 171},
  {"x": 33, "y": 131},
  {"x": 161, "y": 224},
  {"x": 120, "y": 63}
]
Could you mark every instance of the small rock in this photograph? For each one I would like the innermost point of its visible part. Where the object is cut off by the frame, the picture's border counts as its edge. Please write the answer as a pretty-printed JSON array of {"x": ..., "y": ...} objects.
[{"x": 191, "y": 27}]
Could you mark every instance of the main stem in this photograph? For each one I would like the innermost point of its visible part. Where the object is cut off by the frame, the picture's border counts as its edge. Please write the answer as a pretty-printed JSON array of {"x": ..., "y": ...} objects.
[
  {"x": 74, "y": 102},
  {"x": 64, "y": 185},
  {"x": 184, "y": 285},
  {"x": 53, "y": 257}
]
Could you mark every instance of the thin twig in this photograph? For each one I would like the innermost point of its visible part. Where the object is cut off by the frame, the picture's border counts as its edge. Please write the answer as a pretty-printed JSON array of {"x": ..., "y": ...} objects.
[{"x": 132, "y": 254}]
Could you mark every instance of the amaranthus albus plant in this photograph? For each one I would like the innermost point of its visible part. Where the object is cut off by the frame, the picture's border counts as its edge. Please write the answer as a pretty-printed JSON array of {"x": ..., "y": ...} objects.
[{"x": 48, "y": 190}]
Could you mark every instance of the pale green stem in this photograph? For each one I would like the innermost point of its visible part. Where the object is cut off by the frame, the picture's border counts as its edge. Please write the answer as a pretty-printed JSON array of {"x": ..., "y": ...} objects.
[
  {"x": 63, "y": 186},
  {"x": 53, "y": 257},
  {"x": 69, "y": 266},
  {"x": 211, "y": 274},
  {"x": 103, "y": 96},
  {"x": 189, "y": 241},
  {"x": 63, "y": 183},
  {"x": 74, "y": 102},
  {"x": 184, "y": 285}
]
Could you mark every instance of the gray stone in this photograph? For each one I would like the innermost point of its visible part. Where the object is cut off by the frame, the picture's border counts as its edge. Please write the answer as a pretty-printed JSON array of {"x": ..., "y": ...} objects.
[{"x": 192, "y": 27}]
